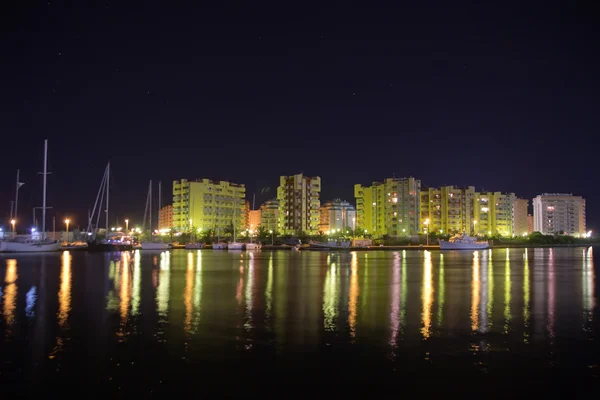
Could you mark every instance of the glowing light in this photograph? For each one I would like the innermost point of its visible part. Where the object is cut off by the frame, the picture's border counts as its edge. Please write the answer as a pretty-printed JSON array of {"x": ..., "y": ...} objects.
[
  {"x": 330, "y": 298},
  {"x": 64, "y": 294},
  {"x": 475, "y": 288},
  {"x": 427, "y": 297},
  {"x": 395, "y": 298},
  {"x": 10, "y": 292},
  {"x": 162, "y": 292},
  {"x": 187, "y": 294},
  {"x": 353, "y": 297},
  {"x": 137, "y": 283}
]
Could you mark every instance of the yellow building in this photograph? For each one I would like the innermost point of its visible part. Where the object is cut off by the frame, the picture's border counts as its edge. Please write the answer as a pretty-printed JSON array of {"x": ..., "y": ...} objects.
[
  {"x": 269, "y": 215},
  {"x": 389, "y": 208},
  {"x": 447, "y": 209},
  {"x": 204, "y": 204},
  {"x": 165, "y": 217},
  {"x": 253, "y": 219},
  {"x": 520, "y": 220},
  {"x": 493, "y": 213},
  {"x": 299, "y": 204}
]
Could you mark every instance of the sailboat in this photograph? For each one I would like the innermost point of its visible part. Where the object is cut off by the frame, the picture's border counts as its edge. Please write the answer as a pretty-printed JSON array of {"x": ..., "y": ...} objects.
[
  {"x": 235, "y": 245},
  {"x": 34, "y": 243},
  {"x": 151, "y": 245}
]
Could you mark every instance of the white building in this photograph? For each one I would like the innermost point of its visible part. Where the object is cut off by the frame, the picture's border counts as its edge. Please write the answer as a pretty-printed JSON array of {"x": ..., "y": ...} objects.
[
  {"x": 555, "y": 213},
  {"x": 338, "y": 215}
]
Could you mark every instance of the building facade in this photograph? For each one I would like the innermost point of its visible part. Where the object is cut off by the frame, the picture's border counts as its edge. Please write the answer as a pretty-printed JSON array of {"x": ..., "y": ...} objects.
[
  {"x": 253, "y": 219},
  {"x": 520, "y": 221},
  {"x": 391, "y": 207},
  {"x": 493, "y": 213},
  {"x": 205, "y": 204},
  {"x": 299, "y": 204},
  {"x": 558, "y": 213},
  {"x": 337, "y": 215},
  {"x": 269, "y": 215},
  {"x": 529, "y": 223},
  {"x": 447, "y": 209},
  {"x": 165, "y": 217}
]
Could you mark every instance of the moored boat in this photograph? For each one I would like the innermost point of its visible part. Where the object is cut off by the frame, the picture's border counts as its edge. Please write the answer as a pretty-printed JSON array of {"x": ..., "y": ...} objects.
[
  {"x": 330, "y": 245},
  {"x": 194, "y": 246},
  {"x": 27, "y": 244},
  {"x": 155, "y": 246},
  {"x": 463, "y": 242},
  {"x": 252, "y": 246},
  {"x": 219, "y": 246}
]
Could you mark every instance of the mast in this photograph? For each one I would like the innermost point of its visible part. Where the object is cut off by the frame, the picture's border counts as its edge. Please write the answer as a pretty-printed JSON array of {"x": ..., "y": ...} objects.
[
  {"x": 44, "y": 186},
  {"x": 17, "y": 196},
  {"x": 159, "y": 201},
  {"x": 107, "y": 189},
  {"x": 150, "y": 207}
]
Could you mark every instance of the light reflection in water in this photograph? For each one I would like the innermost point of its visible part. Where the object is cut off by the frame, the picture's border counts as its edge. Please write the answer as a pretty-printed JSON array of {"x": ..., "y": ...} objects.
[
  {"x": 198, "y": 290},
  {"x": 353, "y": 298},
  {"x": 483, "y": 315},
  {"x": 526, "y": 299},
  {"x": 64, "y": 294},
  {"x": 588, "y": 289},
  {"x": 188, "y": 292},
  {"x": 137, "y": 283},
  {"x": 427, "y": 296},
  {"x": 30, "y": 299},
  {"x": 164, "y": 278},
  {"x": 395, "y": 297},
  {"x": 490, "y": 295},
  {"x": 269, "y": 289},
  {"x": 125, "y": 288},
  {"x": 331, "y": 298},
  {"x": 475, "y": 287},
  {"x": 441, "y": 292},
  {"x": 249, "y": 289},
  {"x": 10, "y": 292},
  {"x": 551, "y": 294},
  {"x": 507, "y": 289},
  {"x": 240, "y": 285},
  {"x": 404, "y": 291}
]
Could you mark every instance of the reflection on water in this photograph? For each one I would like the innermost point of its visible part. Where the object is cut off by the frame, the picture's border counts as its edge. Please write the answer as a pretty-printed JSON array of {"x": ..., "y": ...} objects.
[
  {"x": 205, "y": 307},
  {"x": 10, "y": 292}
]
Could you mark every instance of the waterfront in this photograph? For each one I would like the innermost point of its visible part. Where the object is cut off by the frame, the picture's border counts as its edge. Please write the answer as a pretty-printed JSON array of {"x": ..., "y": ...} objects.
[{"x": 151, "y": 322}]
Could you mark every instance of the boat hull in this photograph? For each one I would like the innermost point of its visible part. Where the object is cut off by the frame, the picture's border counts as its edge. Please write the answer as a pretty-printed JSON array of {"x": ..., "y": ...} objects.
[
  {"x": 15, "y": 247},
  {"x": 463, "y": 246},
  {"x": 252, "y": 246},
  {"x": 235, "y": 246},
  {"x": 155, "y": 246},
  {"x": 219, "y": 246},
  {"x": 194, "y": 246}
]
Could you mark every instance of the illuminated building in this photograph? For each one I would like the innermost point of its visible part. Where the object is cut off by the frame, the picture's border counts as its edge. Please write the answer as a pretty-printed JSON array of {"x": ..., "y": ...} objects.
[
  {"x": 337, "y": 214},
  {"x": 206, "y": 204},
  {"x": 493, "y": 213},
  {"x": 520, "y": 221},
  {"x": 165, "y": 217},
  {"x": 269, "y": 215},
  {"x": 253, "y": 219},
  {"x": 529, "y": 223},
  {"x": 389, "y": 208},
  {"x": 299, "y": 204},
  {"x": 447, "y": 209},
  {"x": 555, "y": 213}
]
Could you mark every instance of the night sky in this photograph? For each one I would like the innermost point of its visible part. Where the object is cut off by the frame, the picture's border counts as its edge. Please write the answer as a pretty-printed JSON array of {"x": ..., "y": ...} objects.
[{"x": 505, "y": 99}]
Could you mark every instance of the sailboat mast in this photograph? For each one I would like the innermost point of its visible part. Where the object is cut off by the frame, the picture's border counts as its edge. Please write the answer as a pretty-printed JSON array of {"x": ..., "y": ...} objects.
[
  {"x": 16, "y": 196},
  {"x": 159, "y": 201},
  {"x": 150, "y": 208},
  {"x": 44, "y": 189},
  {"x": 107, "y": 190}
]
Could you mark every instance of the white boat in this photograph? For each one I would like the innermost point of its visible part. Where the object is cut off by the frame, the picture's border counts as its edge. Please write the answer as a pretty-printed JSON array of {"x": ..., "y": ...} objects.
[
  {"x": 34, "y": 243},
  {"x": 252, "y": 246},
  {"x": 330, "y": 245},
  {"x": 235, "y": 246},
  {"x": 155, "y": 246},
  {"x": 194, "y": 246},
  {"x": 27, "y": 244},
  {"x": 219, "y": 246},
  {"x": 463, "y": 242}
]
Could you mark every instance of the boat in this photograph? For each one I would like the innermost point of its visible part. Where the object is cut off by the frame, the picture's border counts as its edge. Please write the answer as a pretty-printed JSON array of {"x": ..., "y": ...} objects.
[
  {"x": 37, "y": 242},
  {"x": 235, "y": 245},
  {"x": 330, "y": 245},
  {"x": 78, "y": 245},
  {"x": 252, "y": 246},
  {"x": 194, "y": 246},
  {"x": 463, "y": 242},
  {"x": 150, "y": 244},
  {"x": 219, "y": 246}
]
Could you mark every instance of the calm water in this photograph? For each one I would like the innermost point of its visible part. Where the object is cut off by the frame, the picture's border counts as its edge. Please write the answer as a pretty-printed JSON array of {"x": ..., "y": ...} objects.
[{"x": 200, "y": 321}]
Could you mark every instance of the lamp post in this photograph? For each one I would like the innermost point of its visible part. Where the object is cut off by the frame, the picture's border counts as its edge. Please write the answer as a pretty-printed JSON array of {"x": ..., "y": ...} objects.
[
  {"x": 272, "y": 237},
  {"x": 13, "y": 222},
  {"x": 67, "y": 224}
]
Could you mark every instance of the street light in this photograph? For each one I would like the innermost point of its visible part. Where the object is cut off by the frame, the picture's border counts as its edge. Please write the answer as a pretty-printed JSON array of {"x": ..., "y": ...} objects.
[
  {"x": 427, "y": 230},
  {"x": 13, "y": 222},
  {"x": 67, "y": 223},
  {"x": 272, "y": 237},
  {"x": 127, "y": 225}
]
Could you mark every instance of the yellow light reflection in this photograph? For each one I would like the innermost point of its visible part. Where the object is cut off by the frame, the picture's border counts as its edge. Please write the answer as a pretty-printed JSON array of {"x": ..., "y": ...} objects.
[
  {"x": 330, "y": 298},
  {"x": 507, "y": 294},
  {"x": 10, "y": 292},
  {"x": 353, "y": 298},
  {"x": 64, "y": 294},
  {"x": 137, "y": 283},
  {"x": 249, "y": 290},
  {"x": 551, "y": 294},
  {"x": 164, "y": 281},
  {"x": 427, "y": 296},
  {"x": 125, "y": 288},
  {"x": 395, "y": 297},
  {"x": 404, "y": 293},
  {"x": 475, "y": 288},
  {"x": 198, "y": 290},
  {"x": 490, "y": 293},
  {"x": 526, "y": 296},
  {"x": 441, "y": 292},
  {"x": 269, "y": 289},
  {"x": 188, "y": 292}
]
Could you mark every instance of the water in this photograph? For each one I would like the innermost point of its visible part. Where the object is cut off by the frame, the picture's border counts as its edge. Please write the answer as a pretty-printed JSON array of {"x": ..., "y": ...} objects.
[{"x": 148, "y": 323}]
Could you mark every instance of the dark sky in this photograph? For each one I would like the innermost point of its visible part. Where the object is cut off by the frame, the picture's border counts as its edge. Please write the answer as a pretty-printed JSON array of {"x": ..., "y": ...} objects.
[{"x": 502, "y": 98}]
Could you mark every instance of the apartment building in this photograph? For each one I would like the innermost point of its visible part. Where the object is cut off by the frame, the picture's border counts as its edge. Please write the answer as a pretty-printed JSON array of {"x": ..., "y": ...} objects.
[
  {"x": 520, "y": 221},
  {"x": 493, "y": 213},
  {"x": 165, "y": 217},
  {"x": 299, "y": 204},
  {"x": 447, "y": 209},
  {"x": 557, "y": 213},
  {"x": 337, "y": 215},
  {"x": 269, "y": 215}
]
